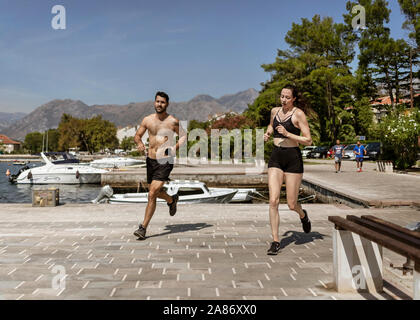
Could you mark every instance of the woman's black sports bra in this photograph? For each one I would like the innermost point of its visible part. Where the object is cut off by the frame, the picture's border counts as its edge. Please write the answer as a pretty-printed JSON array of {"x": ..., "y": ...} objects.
[{"x": 287, "y": 124}]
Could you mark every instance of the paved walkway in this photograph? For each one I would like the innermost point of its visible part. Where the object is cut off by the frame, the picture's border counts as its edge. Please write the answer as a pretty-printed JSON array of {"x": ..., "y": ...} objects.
[
  {"x": 375, "y": 188},
  {"x": 86, "y": 251}
]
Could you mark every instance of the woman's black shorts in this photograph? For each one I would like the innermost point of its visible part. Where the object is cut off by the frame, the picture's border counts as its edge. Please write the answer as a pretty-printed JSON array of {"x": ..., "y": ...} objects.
[
  {"x": 287, "y": 159},
  {"x": 159, "y": 169}
]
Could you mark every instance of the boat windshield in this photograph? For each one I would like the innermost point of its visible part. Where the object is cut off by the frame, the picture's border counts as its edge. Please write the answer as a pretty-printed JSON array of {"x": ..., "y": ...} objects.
[
  {"x": 61, "y": 157},
  {"x": 187, "y": 191}
]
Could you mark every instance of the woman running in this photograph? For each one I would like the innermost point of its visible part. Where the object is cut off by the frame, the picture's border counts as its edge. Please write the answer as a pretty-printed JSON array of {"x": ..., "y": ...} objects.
[{"x": 287, "y": 123}]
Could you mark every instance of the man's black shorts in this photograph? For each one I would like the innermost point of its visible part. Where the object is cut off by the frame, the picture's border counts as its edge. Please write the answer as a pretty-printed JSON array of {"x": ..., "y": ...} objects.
[{"x": 159, "y": 170}]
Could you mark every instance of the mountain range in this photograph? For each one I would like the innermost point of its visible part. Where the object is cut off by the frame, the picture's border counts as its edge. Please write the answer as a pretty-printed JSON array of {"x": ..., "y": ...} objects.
[
  {"x": 7, "y": 119},
  {"x": 48, "y": 115}
]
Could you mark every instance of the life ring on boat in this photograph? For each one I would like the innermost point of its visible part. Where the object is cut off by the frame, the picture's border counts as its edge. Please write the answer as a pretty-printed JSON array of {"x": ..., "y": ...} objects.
[{"x": 29, "y": 176}]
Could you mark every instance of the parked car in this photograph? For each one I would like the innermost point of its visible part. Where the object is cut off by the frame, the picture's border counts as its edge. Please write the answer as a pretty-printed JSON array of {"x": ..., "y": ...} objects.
[
  {"x": 330, "y": 153},
  {"x": 373, "y": 151},
  {"x": 318, "y": 152},
  {"x": 306, "y": 150},
  {"x": 348, "y": 152}
]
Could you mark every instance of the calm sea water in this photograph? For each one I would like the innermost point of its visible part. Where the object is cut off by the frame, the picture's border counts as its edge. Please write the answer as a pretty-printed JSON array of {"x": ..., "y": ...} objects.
[{"x": 17, "y": 193}]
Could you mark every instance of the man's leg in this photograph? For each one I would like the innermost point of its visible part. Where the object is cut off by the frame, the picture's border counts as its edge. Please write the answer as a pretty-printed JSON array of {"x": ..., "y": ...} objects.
[
  {"x": 163, "y": 195},
  {"x": 154, "y": 189}
]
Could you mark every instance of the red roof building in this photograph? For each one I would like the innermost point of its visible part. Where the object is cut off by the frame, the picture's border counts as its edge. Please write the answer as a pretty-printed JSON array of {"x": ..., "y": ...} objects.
[{"x": 8, "y": 145}]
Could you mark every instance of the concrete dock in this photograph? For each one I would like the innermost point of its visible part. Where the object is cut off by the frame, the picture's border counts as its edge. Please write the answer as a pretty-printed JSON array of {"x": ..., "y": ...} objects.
[
  {"x": 206, "y": 251},
  {"x": 369, "y": 188}
]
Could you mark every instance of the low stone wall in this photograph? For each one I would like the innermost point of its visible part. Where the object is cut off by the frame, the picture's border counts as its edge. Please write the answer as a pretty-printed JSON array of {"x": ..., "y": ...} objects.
[{"x": 326, "y": 195}]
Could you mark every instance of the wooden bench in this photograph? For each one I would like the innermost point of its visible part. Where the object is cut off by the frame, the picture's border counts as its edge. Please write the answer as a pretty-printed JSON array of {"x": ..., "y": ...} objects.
[{"x": 357, "y": 252}]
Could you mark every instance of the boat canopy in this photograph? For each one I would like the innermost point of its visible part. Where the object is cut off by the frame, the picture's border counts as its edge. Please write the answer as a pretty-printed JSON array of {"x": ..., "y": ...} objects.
[{"x": 59, "y": 157}]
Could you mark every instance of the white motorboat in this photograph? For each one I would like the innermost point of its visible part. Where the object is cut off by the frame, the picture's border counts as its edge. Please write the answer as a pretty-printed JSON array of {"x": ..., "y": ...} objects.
[
  {"x": 59, "y": 168},
  {"x": 244, "y": 195},
  {"x": 116, "y": 162},
  {"x": 188, "y": 191},
  {"x": 19, "y": 163}
]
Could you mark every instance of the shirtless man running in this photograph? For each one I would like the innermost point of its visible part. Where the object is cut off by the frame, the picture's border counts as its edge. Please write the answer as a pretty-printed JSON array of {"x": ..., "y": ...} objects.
[{"x": 159, "y": 157}]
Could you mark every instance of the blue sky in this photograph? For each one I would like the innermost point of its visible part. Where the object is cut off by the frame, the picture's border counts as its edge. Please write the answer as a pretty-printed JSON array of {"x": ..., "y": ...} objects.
[{"x": 124, "y": 51}]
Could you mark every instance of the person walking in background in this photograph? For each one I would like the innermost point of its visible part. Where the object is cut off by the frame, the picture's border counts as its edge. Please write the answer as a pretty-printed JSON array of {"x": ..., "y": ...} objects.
[
  {"x": 360, "y": 151},
  {"x": 338, "y": 155},
  {"x": 287, "y": 122}
]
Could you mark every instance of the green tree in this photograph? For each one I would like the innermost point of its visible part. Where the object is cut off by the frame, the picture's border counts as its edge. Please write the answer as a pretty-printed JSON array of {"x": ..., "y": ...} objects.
[
  {"x": 100, "y": 134},
  {"x": 381, "y": 59},
  {"x": 399, "y": 133},
  {"x": 33, "y": 142},
  {"x": 363, "y": 117},
  {"x": 69, "y": 130},
  {"x": 89, "y": 135},
  {"x": 127, "y": 143},
  {"x": 317, "y": 63},
  {"x": 53, "y": 138},
  {"x": 411, "y": 9}
]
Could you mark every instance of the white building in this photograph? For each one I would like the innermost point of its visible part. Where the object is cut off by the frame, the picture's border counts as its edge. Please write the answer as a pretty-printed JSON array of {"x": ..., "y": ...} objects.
[
  {"x": 8, "y": 145},
  {"x": 130, "y": 131}
]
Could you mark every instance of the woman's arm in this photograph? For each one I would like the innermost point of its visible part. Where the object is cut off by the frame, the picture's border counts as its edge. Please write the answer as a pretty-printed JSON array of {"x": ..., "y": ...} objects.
[{"x": 270, "y": 129}]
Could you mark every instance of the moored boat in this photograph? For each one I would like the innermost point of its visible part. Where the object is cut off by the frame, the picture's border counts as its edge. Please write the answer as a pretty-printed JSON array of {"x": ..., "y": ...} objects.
[
  {"x": 188, "y": 191},
  {"x": 117, "y": 162},
  {"x": 59, "y": 168}
]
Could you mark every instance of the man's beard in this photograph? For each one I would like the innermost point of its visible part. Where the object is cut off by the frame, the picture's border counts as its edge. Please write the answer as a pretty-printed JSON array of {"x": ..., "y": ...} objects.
[{"x": 161, "y": 111}]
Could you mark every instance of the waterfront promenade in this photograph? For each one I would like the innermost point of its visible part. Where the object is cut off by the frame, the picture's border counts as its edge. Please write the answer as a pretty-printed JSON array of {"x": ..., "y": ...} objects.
[
  {"x": 370, "y": 187},
  {"x": 207, "y": 251}
]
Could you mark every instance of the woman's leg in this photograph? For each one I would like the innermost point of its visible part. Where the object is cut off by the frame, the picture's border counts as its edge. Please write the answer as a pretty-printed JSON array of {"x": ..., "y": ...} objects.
[
  {"x": 293, "y": 181},
  {"x": 275, "y": 181}
]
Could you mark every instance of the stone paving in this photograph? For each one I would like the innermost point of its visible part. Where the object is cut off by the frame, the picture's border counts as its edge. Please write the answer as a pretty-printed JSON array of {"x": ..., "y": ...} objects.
[
  {"x": 209, "y": 251},
  {"x": 376, "y": 188}
]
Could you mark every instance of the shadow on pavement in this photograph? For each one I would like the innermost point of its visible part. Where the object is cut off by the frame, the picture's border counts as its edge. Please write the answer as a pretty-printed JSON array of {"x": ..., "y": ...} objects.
[
  {"x": 299, "y": 238},
  {"x": 177, "y": 228}
]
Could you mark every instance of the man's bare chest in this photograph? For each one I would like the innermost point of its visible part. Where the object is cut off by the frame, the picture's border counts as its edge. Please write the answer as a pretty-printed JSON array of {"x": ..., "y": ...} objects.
[{"x": 161, "y": 128}]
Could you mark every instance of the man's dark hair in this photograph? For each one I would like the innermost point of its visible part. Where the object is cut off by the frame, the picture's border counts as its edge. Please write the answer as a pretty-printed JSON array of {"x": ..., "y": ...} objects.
[{"x": 163, "y": 95}]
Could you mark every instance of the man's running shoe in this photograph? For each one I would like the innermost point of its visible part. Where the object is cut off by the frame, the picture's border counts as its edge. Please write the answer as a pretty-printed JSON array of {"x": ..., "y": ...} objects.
[
  {"x": 274, "y": 248},
  {"x": 140, "y": 232},
  {"x": 172, "y": 205},
  {"x": 306, "y": 223}
]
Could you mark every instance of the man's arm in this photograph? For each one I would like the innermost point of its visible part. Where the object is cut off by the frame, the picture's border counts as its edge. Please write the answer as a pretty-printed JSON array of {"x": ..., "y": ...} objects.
[{"x": 139, "y": 134}]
